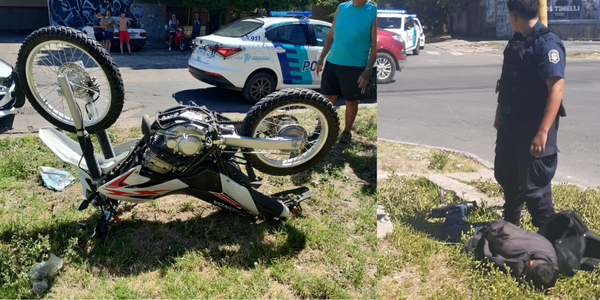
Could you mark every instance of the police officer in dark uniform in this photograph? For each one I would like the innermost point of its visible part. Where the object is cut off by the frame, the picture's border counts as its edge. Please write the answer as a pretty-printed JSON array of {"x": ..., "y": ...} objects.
[{"x": 530, "y": 92}]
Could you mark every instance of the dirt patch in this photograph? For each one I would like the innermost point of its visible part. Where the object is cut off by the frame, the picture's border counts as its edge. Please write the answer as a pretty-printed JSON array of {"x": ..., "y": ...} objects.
[
  {"x": 408, "y": 159},
  {"x": 411, "y": 283}
]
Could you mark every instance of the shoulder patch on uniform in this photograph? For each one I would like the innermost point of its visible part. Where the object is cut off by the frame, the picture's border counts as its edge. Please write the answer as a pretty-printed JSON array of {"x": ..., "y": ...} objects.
[{"x": 553, "y": 56}]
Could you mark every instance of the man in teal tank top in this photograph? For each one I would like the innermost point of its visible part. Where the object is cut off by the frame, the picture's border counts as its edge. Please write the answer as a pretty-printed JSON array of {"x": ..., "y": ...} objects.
[{"x": 352, "y": 48}]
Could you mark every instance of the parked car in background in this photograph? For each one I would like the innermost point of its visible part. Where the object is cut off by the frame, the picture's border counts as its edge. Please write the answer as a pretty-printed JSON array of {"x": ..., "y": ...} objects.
[
  {"x": 403, "y": 24},
  {"x": 391, "y": 55},
  {"x": 137, "y": 35},
  {"x": 260, "y": 55}
]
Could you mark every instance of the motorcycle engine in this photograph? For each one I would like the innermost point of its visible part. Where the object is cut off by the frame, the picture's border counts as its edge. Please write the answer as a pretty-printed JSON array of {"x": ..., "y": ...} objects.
[{"x": 178, "y": 141}]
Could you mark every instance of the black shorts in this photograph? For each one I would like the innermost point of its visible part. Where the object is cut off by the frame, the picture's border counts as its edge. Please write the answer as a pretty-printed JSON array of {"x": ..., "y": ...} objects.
[
  {"x": 195, "y": 35},
  {"x": 342, "y": 81},
  {"x": 99, "y": 36}
]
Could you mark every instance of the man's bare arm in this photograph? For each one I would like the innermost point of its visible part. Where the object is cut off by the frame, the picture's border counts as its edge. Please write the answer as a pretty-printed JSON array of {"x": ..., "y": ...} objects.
[
  {"x": 329, "y": 38},
  {"x": 556, "y": 89}
]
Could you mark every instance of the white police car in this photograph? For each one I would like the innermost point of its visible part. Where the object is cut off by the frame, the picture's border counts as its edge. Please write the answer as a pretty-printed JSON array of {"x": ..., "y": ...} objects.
[
  {"x": 405, "y": 25},
  {"x": 261, "y": 55}
]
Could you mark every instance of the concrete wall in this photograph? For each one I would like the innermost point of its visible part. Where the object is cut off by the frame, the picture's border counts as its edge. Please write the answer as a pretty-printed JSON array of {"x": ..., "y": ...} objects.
[
  {"x": 589, "y": 30},
  {"x": 23, "y": 18}
]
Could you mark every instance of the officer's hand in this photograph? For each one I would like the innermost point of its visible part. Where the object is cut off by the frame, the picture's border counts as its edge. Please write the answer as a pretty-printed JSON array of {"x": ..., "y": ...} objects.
[
  {"x": 364, "y": 78},
  {"x": 538, "y": 146},
  {"x": 319, "y": 66}
]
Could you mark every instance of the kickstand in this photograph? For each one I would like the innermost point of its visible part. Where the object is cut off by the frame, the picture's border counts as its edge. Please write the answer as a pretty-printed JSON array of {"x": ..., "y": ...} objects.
[{"x": 101, "y": 229}]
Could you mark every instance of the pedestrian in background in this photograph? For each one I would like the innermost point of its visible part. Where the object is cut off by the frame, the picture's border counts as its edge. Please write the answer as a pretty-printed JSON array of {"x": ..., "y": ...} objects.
[
  {"x": 196, "y": 26},
  {"x": 530, "y": 95},
  {"x": 109, "y": 30},
  {"x": 173, "y": 23},
  {"x": 351, "y": 51},
  {"x": 97, "y": 24},
  {"x": 123, "y": 24}
]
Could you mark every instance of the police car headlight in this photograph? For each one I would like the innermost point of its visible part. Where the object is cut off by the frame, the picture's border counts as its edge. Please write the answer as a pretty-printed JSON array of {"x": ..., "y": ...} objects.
[{"x": 397, "y": 38}]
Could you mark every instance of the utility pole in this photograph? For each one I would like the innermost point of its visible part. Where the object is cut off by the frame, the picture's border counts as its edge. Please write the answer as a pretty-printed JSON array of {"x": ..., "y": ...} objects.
[{"x": 543, "y": 12}]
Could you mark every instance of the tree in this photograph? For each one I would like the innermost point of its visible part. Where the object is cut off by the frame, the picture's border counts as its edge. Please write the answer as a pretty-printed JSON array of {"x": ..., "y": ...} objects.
[{"x": 433, "y": 13}]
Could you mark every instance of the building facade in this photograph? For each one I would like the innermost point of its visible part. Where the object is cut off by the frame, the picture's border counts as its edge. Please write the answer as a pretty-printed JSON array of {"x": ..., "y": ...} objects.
[{"x": 569, "y": 19}]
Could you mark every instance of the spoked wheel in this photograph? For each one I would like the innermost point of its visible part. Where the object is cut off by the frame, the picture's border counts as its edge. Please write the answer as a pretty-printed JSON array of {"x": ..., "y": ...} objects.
[
  {"x": 297, "y": 113},
  {"x": 95, "y": 79},
  {"x": 385, "y": 68}
]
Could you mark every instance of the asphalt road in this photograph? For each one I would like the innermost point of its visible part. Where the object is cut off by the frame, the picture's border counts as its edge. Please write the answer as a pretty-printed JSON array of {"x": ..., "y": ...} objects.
[
  {"x": 447, "y": 100},
  {"x": 154, "y": 79}
]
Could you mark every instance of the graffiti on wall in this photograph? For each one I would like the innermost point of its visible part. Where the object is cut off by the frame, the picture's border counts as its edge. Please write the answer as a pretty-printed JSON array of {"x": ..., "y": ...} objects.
[
  {"x": 151, "y": 18},
  {"x": 490, "y": 14},
  {"x": 503, "y": 27},
  {"x": 77, "y": 13}
]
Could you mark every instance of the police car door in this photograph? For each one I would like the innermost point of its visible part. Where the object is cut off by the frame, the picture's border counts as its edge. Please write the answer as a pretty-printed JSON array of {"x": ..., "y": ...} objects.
[
  {"x": 411, "y": 33},
  {"x": 319, "y": 34},
  {"x": 290, "y": 48}
]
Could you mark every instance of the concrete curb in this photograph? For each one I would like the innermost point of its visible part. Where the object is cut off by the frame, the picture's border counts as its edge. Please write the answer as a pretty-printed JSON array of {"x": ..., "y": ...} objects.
[
  {"x": 467, "y": 155},
  {"x": 474, "y": 157}
]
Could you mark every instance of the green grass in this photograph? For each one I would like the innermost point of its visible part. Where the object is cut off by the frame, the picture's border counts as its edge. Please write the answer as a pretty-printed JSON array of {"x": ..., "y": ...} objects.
[
  {"x": 416, "y": 262},
  {"x": 182, "y": 247},
  {"x": 489, "y": 187}
]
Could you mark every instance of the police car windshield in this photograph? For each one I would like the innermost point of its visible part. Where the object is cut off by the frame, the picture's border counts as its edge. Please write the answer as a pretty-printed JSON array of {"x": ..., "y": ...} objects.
[
  {"x": 383, "y": 22},
  {"x": 239, "y": 28}
]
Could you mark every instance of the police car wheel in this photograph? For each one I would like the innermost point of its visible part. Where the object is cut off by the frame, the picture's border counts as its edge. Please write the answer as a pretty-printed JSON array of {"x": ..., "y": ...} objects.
[
  {"x": 258, "y": 86},
  {"x": 386, "y": 68},
  {"x": 417, "y": 49}
]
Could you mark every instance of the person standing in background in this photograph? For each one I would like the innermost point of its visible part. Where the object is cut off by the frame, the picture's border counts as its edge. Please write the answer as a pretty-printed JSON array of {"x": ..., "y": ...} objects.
[
  {"x": 109, "y": 29},
  {"x": 97, "y": 23},
  {"x": 197, "y": 25},
  {"x": 173, "y": 23},
  {"x": 352, "y": 47},
  {"x": 123, "y": 24}
]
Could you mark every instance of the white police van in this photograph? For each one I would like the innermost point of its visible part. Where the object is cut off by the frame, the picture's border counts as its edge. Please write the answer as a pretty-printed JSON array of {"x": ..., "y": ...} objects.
[
  {"x": 405, "y": 25},
  {"x": 261, "y": 55}
]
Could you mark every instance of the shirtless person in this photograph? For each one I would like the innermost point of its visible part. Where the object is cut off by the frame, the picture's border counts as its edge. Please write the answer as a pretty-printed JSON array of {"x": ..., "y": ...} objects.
[{"x": 123, "y": 24}]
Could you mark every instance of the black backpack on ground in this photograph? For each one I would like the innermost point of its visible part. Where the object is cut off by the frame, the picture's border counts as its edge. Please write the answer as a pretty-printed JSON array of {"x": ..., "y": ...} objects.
[{"x": 577, "y": 248}]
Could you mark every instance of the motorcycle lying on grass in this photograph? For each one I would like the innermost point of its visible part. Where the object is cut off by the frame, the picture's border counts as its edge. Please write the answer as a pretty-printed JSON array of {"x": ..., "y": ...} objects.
[
  {"x": 76, "y": 85},
  {"x": 11, "y": 96}
]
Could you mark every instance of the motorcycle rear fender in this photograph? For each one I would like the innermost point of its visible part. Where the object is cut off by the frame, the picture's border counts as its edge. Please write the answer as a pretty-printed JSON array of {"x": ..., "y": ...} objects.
[{"x": 69, "y": 150}]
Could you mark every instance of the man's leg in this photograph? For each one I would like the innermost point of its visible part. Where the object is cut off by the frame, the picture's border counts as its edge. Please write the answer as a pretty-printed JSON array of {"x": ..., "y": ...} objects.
[
  {"x": 129, "y": 47},
  {"x": 351, "y": 112},
  {"x": 506, "y": 172},
  {"x": 170, "y": 40},
  {"x": 121, "y": 45}
]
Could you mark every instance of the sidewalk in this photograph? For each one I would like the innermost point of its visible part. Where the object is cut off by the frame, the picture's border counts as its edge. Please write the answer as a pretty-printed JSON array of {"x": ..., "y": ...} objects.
[{"x": 575, "y": 49}]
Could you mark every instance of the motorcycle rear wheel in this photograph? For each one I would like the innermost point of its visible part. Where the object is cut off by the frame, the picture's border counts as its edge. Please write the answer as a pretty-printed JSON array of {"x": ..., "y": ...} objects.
[
  {"x": 281, "y": 112},
  {"x": 97, "y": 84}
]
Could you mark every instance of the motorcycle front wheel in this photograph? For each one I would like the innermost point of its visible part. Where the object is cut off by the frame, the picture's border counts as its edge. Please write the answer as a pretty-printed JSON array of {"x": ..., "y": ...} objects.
[
  {"x": 298, "y": 113},
  {"x": 94, "y": 77}
]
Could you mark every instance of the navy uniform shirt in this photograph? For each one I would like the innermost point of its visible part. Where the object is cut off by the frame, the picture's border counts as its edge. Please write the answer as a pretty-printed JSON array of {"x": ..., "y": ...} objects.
[
  {"x": 548, "y": 54},
  {"x": 547, "y": 51}
]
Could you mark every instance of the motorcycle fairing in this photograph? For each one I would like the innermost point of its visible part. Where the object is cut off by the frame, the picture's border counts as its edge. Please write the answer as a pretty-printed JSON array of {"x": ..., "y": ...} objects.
[{"x": 124, "y": 187}]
